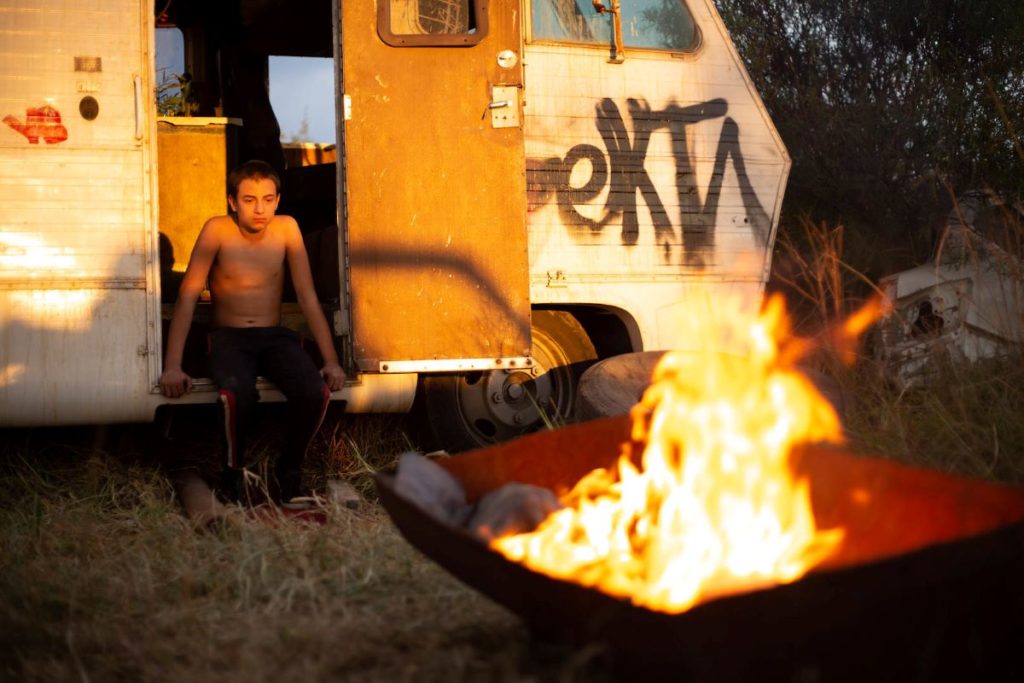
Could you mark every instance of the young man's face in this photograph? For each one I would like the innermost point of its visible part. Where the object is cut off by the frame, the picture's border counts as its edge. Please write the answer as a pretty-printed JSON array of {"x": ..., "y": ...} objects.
[{"x": 255, "y": 204}]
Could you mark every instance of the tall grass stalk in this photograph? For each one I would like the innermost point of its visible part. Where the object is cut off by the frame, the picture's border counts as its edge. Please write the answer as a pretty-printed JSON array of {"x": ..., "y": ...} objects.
[{"x": 966, "y": 419}]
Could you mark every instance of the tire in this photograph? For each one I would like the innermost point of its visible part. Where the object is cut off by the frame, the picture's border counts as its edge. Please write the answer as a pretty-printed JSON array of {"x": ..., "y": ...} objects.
[{"x": 477, "y": 409}]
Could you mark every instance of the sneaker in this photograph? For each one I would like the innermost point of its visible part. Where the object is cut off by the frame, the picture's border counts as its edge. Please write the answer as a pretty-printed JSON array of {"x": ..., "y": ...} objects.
[
  {"x": 241, "y": 486},
  {"x": 303, "y": 503},
  {"x": 343, "y": 494},
  {"x": 230, "y": 485},
  {"x": 289, "y": 486}
]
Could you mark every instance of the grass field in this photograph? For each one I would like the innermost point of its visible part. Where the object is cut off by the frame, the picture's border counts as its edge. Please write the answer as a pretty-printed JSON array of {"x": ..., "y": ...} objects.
[{"x": 102, "y": 577}]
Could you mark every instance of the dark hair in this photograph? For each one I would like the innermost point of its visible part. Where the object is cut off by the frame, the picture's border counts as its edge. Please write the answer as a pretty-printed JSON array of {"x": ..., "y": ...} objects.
[{"x": 252, "y": 170}]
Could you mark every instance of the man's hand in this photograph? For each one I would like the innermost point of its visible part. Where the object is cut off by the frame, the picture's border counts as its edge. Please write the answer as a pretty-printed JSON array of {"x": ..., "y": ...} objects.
[
  {"x": 174, "y": 383},
  {"x": 334, "y": 376}
]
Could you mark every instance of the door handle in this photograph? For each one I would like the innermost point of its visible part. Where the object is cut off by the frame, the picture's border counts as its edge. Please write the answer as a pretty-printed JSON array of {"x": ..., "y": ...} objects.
[{"x": 137, "y": 82}]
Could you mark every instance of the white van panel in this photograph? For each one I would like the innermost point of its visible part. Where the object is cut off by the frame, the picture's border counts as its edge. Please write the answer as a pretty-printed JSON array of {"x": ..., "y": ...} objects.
[
  {"x": 82, "y": 210},
  {"x": 74, "y": 356},
  {"x": 705, "y": 185},
  {"x": 77, "y": 295}
]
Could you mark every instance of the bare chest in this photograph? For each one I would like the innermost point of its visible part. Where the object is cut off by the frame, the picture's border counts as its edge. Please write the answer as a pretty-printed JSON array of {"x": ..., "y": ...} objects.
[{"x": 250, "y": 263}]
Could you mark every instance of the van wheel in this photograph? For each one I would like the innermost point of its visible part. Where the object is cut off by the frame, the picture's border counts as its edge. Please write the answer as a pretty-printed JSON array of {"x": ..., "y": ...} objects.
[{"x": 476, "y": 409}]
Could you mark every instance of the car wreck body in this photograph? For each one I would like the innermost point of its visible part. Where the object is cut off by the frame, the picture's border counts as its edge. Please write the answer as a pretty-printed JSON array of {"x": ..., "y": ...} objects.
[{"x": 966, "y": 304}]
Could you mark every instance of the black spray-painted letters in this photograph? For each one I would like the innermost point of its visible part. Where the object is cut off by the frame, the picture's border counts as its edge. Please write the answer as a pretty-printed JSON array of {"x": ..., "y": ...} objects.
[{"x": 620, "y": 167}]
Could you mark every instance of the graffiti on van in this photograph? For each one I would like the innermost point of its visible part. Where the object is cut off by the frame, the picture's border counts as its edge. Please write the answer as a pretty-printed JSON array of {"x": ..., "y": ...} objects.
[
  {"x": 620, "y": 167},
  {"x": 40, "y": 122}
]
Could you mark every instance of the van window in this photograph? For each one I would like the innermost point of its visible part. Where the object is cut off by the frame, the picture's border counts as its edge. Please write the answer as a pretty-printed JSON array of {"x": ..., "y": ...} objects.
[
  {"x": 410, "y": 23},
  {"x": 574, "y": 21},
  {"x": 651, "y": 24},
  {"x": 172, "y": 95},
  {"x": 430, "y": 17}
]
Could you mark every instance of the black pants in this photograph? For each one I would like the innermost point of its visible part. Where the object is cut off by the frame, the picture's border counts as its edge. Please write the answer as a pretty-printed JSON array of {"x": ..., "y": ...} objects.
[{"x": 237, "y": 356}]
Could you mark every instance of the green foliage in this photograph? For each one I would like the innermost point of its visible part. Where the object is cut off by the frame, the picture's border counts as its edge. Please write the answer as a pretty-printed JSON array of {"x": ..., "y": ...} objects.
[
  {"x": 888, "y": 110},
  {"x": 174, "y": 96}
]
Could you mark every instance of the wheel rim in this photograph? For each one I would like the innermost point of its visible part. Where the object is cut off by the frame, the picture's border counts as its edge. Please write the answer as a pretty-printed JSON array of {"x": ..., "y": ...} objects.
[{"x": 500, "y": 404}]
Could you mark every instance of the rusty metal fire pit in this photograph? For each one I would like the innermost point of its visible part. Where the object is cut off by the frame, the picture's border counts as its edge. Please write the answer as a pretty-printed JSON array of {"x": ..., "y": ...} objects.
[{"x": 929, "y": 584}]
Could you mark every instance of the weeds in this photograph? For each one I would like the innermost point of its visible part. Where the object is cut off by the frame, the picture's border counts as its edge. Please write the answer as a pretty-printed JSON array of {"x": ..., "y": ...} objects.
[
  {"x": 965, "y": 419},
  {"x": 354, "y": 449}
]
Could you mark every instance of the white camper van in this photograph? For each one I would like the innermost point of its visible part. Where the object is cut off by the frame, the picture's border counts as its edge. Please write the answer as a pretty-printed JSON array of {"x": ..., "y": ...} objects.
[{"x": 518, "y": 187}]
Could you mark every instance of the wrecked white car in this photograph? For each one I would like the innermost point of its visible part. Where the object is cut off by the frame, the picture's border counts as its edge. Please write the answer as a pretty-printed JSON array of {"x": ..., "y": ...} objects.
[{"x": 967, "y": 303}]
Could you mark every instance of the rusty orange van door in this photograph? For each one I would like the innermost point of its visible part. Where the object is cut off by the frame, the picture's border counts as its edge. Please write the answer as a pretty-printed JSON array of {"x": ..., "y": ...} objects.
[{"x": 434, "y": 182}]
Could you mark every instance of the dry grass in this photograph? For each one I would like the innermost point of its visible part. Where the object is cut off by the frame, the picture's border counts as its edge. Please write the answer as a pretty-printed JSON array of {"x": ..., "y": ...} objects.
[
  {"x": 969, "y": 421},
  {"x": 103, "y": 578}
]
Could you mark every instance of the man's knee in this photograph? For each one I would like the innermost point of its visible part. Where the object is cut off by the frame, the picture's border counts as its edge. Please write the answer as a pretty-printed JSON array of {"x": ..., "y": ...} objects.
[
  {"x": 243, "y": 393},
  {"x": 312, "y": 397}
]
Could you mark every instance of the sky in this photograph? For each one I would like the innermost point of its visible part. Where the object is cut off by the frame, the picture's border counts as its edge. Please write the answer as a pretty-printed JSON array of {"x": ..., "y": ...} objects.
[{"x": 303, "y": 88}]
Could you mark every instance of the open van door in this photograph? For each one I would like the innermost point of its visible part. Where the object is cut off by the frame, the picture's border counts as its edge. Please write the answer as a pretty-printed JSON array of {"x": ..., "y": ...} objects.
[{"x": 434, "y": 184}]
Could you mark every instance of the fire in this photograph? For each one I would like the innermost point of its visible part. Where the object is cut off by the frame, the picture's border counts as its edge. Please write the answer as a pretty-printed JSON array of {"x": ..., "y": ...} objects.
[{"x": 714, "y": 507}]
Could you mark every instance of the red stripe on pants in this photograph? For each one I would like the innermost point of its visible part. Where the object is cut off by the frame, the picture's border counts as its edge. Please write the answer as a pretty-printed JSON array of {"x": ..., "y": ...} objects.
[{"x": 227, "y": 399}]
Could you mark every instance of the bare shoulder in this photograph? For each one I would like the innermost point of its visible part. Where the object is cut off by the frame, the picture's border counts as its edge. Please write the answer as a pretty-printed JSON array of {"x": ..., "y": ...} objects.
[
  {"x": 219, "y": 224},
  {"x": 213, "y": 234},
  {"x": 287, "y": 228},
  {"x": 216, "y": 229},
  {"x": 285, "y": 223}
]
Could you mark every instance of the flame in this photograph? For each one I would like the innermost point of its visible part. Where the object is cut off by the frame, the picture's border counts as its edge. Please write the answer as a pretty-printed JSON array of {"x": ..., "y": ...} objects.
[{"x": 714, "y": 507}]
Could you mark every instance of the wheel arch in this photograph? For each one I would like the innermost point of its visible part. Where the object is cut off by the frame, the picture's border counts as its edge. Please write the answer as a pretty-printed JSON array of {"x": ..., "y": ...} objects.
[
  {"x": 461, "y": 411},
  {"x": 612, "y": 330}
]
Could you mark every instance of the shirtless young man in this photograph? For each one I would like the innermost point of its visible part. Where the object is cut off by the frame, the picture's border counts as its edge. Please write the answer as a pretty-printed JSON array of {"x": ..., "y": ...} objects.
[{"x": 243, "y": 258}]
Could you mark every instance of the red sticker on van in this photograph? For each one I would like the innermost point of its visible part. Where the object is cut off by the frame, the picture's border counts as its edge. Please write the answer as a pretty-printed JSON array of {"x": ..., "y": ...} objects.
[{"x": 40, "y": 122}]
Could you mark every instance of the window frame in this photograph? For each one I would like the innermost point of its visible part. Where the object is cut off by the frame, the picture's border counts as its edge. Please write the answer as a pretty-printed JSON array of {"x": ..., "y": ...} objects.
[
  {"x": 690, "y": 51},
  {"x": 479, "y": 8}
]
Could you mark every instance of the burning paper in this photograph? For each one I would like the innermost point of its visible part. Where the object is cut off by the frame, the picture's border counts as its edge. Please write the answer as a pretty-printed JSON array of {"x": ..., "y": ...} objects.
[{"x": 714, "y": 507}]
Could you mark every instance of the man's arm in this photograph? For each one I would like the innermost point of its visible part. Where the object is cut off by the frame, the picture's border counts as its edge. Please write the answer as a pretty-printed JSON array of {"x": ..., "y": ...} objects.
[
  {"x": 174, "y": 383},
  {"x": 302, "y": 280}
]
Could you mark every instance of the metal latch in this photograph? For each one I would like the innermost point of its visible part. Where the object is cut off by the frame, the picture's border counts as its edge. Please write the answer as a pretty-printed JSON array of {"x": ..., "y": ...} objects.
[
  {"x": 618, "y": 55},
  {"x": 504, "y": 106}
]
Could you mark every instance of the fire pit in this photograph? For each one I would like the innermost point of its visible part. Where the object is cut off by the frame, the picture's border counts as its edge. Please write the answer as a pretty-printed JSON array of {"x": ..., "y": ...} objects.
[{"x": 926, "y": 585}]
